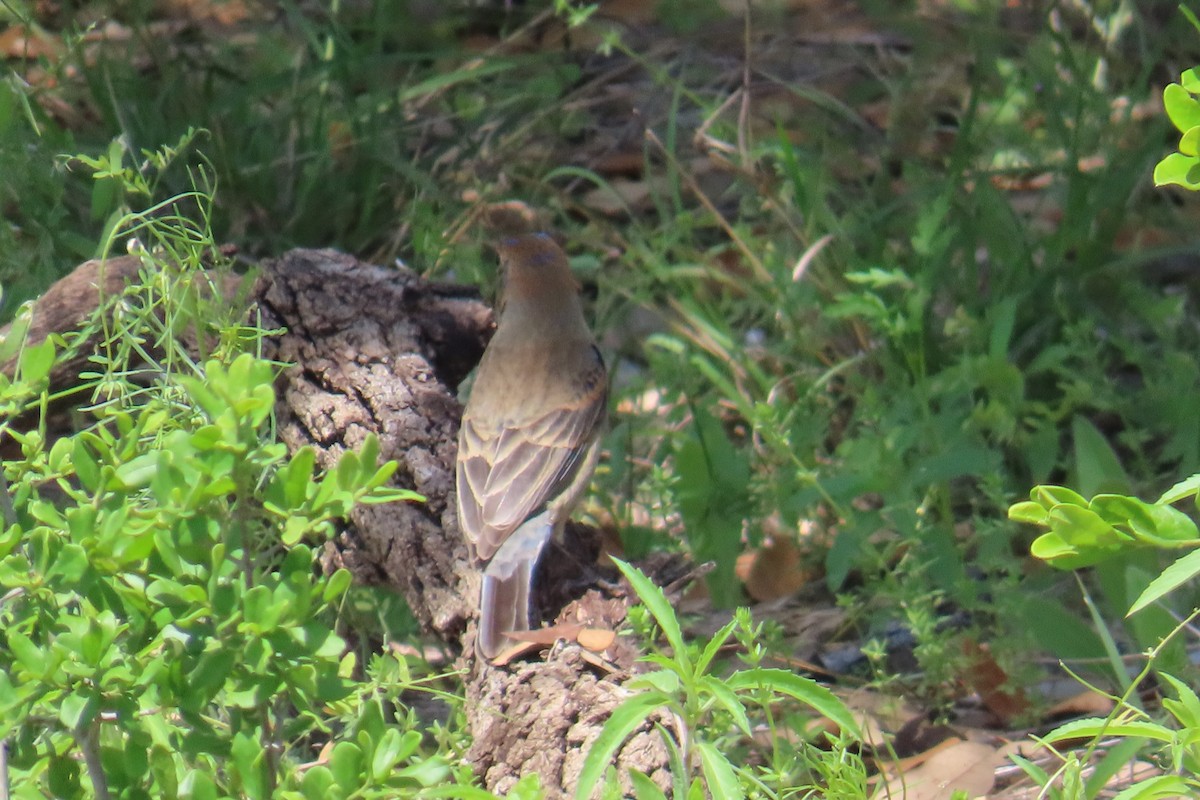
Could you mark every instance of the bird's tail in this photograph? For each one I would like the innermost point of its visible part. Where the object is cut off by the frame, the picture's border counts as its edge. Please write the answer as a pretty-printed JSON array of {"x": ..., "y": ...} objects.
[{"x": 507, "y": 584}]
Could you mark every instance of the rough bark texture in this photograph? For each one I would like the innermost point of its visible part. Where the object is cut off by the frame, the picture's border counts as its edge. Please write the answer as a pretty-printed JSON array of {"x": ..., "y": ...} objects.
[{"x": 381, "y": 351}]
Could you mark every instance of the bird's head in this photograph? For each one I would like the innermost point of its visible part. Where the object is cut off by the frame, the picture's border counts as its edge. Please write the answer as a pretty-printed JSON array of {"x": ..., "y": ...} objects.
[{"x": 536, "y": 273}]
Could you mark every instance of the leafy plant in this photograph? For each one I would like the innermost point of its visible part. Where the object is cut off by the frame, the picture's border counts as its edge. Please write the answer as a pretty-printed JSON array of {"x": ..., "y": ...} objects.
[
  {"x": 1180, "y": 100},
  {"x": 167, "y": 630},
  {"x": 162, "y": 614},
  {"x": 1084, "y": 533},
  {"x": 694, "y": 706}
]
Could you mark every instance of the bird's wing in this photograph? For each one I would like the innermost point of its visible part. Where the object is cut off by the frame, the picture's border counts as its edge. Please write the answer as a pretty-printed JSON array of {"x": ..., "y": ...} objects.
[{"x": 506, "y": 475}]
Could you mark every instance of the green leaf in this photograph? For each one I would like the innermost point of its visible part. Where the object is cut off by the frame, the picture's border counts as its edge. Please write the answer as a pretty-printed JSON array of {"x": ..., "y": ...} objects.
[
  {"x": 248, "y": 757},
  {"x": 461, "y": 792},
  {"x": 1039, "y": 775},
  {"x": 1171, "y": 578},
  {"x": 433, "y": 771},
  {"x": 713, "y": 496},
  {"x": 368, "y": 453},
  {"x": 203, "y": 397},
  {"x": 298, "y": 477},
  {"x": 347, "y": 471},
  {"x": 36, "y": 362},
  {"x": 666, "y": 681},
  {"x": 62, "y": 778},
  {"x": 714, "y": 646},
  {"x": 730, "y": 701},
  {"x": 70, "y": 566},
  {"x": 196, "y": 785},
  {"x": 1095, "y": 726},
  {"x": 1028, "y": 511},
  {"x": 336, "y": 585},
  {"x": 1084, "y": 529},
  {"x": 1096, "y": 463},
  {"x": 1176, "y": 169},
  {"x": 77, "y": 709},
  {"x": 137, "y": 472},
  {"x": 260, "y": 609},
  {"x": 1160, "y": 787},
  {"x": 719, "y": 774},
  {"x": 625, "y": 719},
  {"x": 1050, "y": 496},
  {"x": 1052, "y": 548},
  {"x": 87, "y": 468},
  {"x": 1182, "y": 108},
  {"x": 1185, "y": 707},
  {"x": 207, "y": 437},
  {"x": 392, "y": 749},
  {"x": 1153, "y": 524},
  {"x": 386, "y": 494},
  {"x": 346, "y": 763},
  {"x": 1189, "y": 143},
  {"x": 27, "y": 653},
  {"x": 806, "y": 690},
  {"x": 644, "y": 788},
  {"x": 656, "y": 603},
  {"x": 318, "y": 784},
  {"x": 1188, "y": 487}
]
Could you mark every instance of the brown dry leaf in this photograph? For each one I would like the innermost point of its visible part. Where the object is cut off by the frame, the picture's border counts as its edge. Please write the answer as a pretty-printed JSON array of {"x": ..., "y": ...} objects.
[
  {"x": 630, "y": 163},
  {"x": 1085, "y": 704},
  {"x": 515, "y": 651},
  {"x": 695, "y": 598},
  {"x": 919, "y": 738},
  {"x": 878, "y": 715},
  {"x": 224, "y": 13},
  {"x": 18, "y": 41},
  {"x": 631, "y": 12},
  {"x": 774, "y": 571},
  {"x": 548, "y": 635},
  {"x": 985, "y": 677},
  {"x": 618, "y": 196},
  {"x": 955, "y": 765},
  {"x": 596, "y": 639}
]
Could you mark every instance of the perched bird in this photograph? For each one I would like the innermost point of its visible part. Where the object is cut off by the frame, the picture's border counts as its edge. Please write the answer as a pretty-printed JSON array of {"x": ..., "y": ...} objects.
[{"x": 528, "y": 442}]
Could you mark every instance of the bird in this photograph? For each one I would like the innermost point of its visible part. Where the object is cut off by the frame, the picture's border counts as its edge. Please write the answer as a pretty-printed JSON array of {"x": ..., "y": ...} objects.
[{"x": 529, "y": 439}]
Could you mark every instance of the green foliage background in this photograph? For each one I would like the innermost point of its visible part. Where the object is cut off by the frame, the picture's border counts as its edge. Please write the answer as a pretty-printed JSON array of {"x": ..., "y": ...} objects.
[{"x": 927, "y": 318}]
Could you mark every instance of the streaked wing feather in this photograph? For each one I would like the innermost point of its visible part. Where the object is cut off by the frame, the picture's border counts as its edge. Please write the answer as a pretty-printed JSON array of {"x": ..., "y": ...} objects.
[{"x": 511, "y": 472}]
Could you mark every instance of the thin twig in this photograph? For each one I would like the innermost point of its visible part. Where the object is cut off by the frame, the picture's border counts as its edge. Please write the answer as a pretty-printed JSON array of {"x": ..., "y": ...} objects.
[
  {"x": 87, "y": 736},
  {"x": 3, "y": 769},
  {"x": 6, "y": 506}
]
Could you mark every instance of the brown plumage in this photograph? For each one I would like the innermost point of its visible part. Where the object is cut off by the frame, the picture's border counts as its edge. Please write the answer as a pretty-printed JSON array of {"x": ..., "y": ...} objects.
[{"x": 527, "y": 446}]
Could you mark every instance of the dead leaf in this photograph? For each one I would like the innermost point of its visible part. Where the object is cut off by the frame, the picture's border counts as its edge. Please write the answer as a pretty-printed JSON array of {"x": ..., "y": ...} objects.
[
  {"x": 987, "y": 679},
  {"x": 596, "y": 639},
  {"x": 879, "y": 715},
  {"x": 955, "y": 765},
  {"x": 548, "y": 635},
  {"x": 618, "y": 196},
  {"x": 18, "y": 41},
  {"x": 1085, "y": 704},
  {"x": 515, "y": 651},
  {"x": 774, "y": 571}
]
